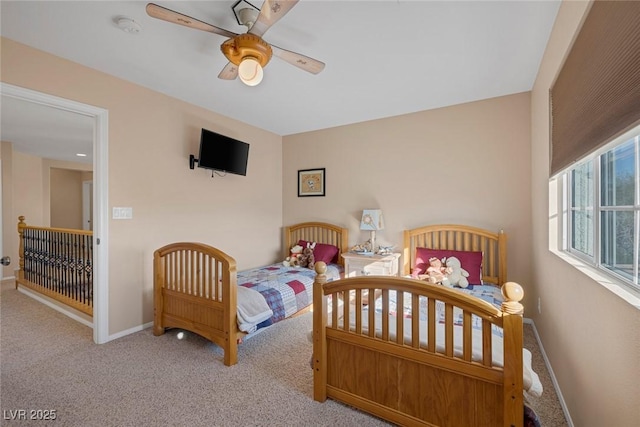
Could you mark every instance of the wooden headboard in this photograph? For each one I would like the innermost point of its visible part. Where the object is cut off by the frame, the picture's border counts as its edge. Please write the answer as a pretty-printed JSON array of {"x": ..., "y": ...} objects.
[
  {"x": 461, "y": 238},
  {"x": 320, "y": 232}
]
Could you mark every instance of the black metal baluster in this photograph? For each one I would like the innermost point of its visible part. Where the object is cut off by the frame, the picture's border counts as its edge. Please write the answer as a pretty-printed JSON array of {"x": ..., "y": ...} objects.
[
  {"x": 83, "y": 279},
  {"x": 26, "y": 259},
  {"x": 39, "y": 257},
  {"x": 72, "y": 263},
  {"x": 53, "y": 256},
  {"x": 36, "y": 248},
  {"x": 67, "y": 257},
  {"x": 76, "y": 258},
  {"x": 90, "y": 270},
  {"x": 49, "y": 260}
]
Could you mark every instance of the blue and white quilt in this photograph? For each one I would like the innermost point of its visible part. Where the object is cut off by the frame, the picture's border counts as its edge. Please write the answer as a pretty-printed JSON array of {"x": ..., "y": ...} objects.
[{"x": 287, "y": 290}]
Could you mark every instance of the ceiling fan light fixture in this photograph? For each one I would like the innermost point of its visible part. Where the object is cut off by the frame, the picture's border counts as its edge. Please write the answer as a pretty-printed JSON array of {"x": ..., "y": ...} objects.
[
  {"x": 250, "y": 71},
  {"x": 247, "y": 17},
  {"x": 245, "y": 13}
]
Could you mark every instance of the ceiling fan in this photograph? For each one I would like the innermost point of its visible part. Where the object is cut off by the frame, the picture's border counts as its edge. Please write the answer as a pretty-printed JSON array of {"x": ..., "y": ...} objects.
[{"x": 247, "y": 53}]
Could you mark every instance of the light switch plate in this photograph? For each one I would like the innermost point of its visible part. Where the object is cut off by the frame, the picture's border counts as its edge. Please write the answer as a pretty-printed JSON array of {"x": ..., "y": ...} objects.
[{"x": 122, "y": 213}]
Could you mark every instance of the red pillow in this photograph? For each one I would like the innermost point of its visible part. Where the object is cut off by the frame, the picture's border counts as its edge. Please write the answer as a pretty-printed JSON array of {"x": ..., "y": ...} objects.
[
  {"x": 323, "y": 252},
  {"x": 471, "y": 261}
]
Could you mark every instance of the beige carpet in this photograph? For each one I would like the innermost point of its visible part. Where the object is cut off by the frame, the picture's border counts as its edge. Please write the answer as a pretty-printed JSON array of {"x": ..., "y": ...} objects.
[{"x": 49, "y": 362}]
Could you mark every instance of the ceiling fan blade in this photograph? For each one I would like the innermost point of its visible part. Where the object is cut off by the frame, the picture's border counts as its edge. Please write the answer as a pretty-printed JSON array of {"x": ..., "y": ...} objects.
[
  {"x": 271, "y": 12},
  {"x": 229, "y": 72},
  {"x": 303, "y": 62},
  {"x": 169, "y": 15}
]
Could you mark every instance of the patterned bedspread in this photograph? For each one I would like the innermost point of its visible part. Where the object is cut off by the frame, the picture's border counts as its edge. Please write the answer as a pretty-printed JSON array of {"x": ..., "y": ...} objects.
[
  {"x": 488, "y": 293},
  {"x": 287, "y": 290}
]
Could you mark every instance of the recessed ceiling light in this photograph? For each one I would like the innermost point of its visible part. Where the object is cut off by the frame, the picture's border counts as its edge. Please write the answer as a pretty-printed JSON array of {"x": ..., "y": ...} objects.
[
  {"x": 128, "y": 25},
  {"x": 81, "y": 155}
]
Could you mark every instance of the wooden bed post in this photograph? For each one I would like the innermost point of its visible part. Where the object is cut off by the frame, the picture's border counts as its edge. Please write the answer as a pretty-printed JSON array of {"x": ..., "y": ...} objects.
[
  {"x": 406, "y": 256},
  {"x": 513, "y": 343},
  {"x": 287, "y": 242},
  {"x": 21, "y": 227},
  {"x": 159, "y": 281},
  {"x": 319, "y": 334},
  {"x": 502, "y": 257},
  {"x": 230, "y": 300}
]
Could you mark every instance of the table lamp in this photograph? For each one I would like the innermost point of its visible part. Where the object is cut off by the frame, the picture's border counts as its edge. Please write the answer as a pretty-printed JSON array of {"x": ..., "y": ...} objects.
[{"x": 372, "y": 221}]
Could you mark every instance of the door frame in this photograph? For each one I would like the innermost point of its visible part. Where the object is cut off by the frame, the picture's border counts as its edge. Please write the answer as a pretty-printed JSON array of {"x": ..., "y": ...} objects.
[{"x": 100, "y": 196}]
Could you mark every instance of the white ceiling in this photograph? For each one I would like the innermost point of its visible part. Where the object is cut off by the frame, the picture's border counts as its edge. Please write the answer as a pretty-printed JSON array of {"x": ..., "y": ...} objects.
[
  {"x": 46, "y": 132},
  {"x": 383, "y": 58}
]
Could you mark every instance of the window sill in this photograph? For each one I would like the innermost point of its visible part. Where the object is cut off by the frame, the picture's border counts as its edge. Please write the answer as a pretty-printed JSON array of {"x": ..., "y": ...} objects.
[{"x": 623, "y": 291}]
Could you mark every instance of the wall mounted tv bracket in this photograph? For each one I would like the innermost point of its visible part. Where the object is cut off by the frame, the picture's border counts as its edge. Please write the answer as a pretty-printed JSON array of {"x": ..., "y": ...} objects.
[
  {"x": 192, "y": 161},
  {"x": 192, "y": 165}
]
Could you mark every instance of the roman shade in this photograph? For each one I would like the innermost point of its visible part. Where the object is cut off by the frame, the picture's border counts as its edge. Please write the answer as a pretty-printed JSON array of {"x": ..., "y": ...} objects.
[{"x": 596, "y": 96}]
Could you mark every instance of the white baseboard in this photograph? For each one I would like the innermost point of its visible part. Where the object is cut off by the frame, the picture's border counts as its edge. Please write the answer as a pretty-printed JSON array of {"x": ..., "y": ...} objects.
[
  {"x": 8, "y": 280},
  {"x": 556, "y": 386},
  {"x": 129, "y": 331},
  {"x": 36, "y": 296},
  {"x": 77, "y": 318}
]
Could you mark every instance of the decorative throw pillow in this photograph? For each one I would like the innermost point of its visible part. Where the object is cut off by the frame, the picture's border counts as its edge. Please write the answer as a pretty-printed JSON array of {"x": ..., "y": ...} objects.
[
  {"x": 470, "y": 260},
  {"x": 323, "y": 252}
]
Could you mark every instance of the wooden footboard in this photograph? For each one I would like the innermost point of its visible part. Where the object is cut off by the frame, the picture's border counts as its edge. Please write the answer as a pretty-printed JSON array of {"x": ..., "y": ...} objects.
[
  {"x": 195, "y": 289},
  {"x": 401, "y": 371}
]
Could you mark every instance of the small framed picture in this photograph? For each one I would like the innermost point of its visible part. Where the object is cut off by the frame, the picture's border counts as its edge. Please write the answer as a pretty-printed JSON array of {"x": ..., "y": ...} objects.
[{"x": 311, "y": 182}]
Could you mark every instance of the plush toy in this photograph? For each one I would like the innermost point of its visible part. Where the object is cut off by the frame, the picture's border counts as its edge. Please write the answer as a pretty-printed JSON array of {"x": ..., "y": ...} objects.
[
  {"x": 292, "y": 259},
  {"x": 307, "y": 259},
  {"x": 436, "y": 272},
  {"x": 455, "y": 273},
  {"x": 362, "y": 247}
]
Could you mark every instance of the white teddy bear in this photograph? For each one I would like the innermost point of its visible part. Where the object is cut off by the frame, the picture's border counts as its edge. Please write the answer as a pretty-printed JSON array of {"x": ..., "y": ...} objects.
[
  {"x": 292, "y": 259},
  {"x": 455, "y": 273}
]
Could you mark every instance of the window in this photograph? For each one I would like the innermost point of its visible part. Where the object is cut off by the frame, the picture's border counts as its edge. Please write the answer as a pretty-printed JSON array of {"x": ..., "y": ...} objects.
[{"x": 602, "y": 214}]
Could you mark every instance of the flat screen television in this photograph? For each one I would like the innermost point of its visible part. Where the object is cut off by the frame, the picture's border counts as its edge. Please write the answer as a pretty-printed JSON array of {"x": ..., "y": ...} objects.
[{"x": 221, "y": 153}]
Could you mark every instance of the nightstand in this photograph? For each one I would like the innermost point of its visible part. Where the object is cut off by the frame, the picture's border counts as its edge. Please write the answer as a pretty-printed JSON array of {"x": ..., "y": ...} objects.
[{"x": 356, "y": 264}]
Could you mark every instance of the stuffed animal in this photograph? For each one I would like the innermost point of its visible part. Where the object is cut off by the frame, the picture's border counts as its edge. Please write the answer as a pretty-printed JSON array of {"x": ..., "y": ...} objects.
[
  {"x": 455, "y": 273},
  {"x": 436, "y": 272},
  {"x": 292, "y": 259},
  {"x": 307, "y": 259}
]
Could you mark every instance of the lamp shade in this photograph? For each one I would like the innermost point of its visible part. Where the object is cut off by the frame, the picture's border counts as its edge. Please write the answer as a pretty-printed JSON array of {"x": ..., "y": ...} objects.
[{"x": 372, "y": 220}]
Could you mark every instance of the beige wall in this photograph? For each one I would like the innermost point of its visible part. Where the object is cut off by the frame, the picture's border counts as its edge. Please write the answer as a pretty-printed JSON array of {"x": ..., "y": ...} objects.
[
  {"x": 22, "y": 195},
  {"x": 591, "y": 336},
  {"x": 66, "y": 198},
  {"x": 48, "y": 199},
  {"x": 26, "y": 192},
  {"x": 467, "y": 164},
  {"x": 150, "y": 138}
]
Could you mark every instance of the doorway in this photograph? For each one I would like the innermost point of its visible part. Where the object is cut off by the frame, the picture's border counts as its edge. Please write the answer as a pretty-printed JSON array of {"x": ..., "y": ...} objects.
[
  {"x": 99, "y": 220},
  {"x": 87, "y": 205}
]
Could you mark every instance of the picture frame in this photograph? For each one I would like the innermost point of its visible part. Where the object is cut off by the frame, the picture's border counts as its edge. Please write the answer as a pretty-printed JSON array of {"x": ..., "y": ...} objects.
[{"x": 311, "y": 182}]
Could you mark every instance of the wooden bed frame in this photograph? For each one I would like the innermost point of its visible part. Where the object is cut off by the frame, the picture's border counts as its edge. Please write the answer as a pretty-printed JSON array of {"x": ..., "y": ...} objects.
[
  {"x": 406, "y": 381},
  {"x": 462, "y": 238},
  {"x": 188, "y": 296}
]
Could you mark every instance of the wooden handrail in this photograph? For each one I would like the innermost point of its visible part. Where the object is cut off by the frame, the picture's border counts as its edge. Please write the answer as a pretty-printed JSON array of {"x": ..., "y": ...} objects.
[{"x": 23, "y": 225}]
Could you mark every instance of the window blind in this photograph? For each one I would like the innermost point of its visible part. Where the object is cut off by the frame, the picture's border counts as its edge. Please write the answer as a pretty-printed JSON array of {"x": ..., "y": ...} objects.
[{"x": 596, "y": 95}]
